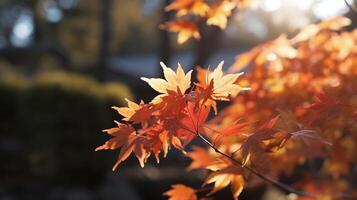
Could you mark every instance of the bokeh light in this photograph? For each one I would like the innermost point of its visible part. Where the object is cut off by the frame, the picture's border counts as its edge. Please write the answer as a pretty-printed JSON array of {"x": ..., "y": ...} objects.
[
  {"x": 23, "y": 30},
  {"x": 52, "y": 11}
]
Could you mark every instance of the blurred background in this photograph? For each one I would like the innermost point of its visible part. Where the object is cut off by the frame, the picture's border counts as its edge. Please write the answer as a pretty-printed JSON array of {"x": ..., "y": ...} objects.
[{"x": 64, "y": 63}]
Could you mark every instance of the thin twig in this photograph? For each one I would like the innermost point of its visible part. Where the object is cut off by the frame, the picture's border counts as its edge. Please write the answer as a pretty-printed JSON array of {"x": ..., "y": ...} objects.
[
  {"x": 268, "y": 179},
  {"x": 351, "y": 7},
  {"x": 276, "y": 183}
]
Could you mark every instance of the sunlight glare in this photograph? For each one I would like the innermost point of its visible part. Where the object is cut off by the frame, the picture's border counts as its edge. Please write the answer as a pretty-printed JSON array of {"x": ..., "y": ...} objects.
[
  {"x": 304, "y": 5},
  {"x": 270, "y": 5},
  {"x": 325, "y": 9}
]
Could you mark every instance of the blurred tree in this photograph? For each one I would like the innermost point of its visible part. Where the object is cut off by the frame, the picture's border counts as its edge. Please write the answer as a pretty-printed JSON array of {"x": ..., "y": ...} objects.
[
  {"x": 80, "y": 35},
  {"x": 208, "y": 45},
  {"x": 164, "y": 47},
  {"x": 104, "y": 39}
]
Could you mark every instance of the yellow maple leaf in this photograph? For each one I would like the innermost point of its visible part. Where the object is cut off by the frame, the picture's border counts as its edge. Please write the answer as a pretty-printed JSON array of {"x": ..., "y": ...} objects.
[
  {"x": 223, "y": 85},
  {"x": 127, "y": 112},
  {"x": 214, "y": 86},
  {"x": 219, "y": 13},
  {"x": 222, "y": 178},
  {"x": 178, "y": 82},
  {"x": 134, "y": 112}
]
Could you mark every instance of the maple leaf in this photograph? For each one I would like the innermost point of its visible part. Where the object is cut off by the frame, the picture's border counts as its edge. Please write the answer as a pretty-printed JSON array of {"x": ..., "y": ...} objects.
[
  {"x": 184, "y": 7},
  {"x": 178, "y": 82},
  {"x": 243, "y": 60},
  {"x": 254, "y": 147},
  {"x": 200, "y": 158},
  {"x": 181, "y": 192},
  {"x": 158, "y": 138},
  {"x": 196, "y": 116},
  {"x": 140, "y": 150},
  {"x": 224, "y": 85},
  {"x": 184, "y": 28},
  {"x": 217, "y": 86},
  {"x": 241, "y": 4},
  {"x": 121, "y": 134},
  {"x": 232, "y": 129},
  {"x": 231, "y": 175},
  {"x": 323, "y": 102},
  {"x": 267, "y": 53},
  {"x": 287, "y": 121},
  {"x": 335, "y": 23},
  {"x": 123, "y": 137},
  {"x": 170, "y": 108},
  {"x": 139, "y": 113},
  {"x": 219, "y": 13},
  {"x": 308, "y": 135},
  {"x": 183, "y": 121}
]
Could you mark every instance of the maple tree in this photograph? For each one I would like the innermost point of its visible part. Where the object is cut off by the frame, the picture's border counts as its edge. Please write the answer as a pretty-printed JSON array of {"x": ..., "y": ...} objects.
[{"x": 296, "y": 105}]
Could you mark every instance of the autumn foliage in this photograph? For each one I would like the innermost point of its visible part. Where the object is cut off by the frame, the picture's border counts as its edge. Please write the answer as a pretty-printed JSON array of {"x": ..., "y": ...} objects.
[
  {"x": 173, "y": 118},
  {"x": 295, "y": 107},
  {"x": 189, "y": 13}
]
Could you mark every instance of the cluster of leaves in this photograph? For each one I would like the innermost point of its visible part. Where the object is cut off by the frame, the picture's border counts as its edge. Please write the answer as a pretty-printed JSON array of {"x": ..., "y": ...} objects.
[
  {"x": 301, "y": 113},
  {"x": 173, "y": 118},
  {"x": 311, "y": 81},
  {"x": 302, "y": 107},
  {"x": 189, "y": 13}
]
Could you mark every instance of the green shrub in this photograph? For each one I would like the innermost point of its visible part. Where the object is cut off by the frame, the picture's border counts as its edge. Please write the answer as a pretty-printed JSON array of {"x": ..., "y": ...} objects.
[{"x": 51, "y": 124}]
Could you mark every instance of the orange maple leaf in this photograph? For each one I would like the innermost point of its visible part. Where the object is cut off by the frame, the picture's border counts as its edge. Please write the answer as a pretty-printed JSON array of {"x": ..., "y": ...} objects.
[
  {"x": 120, "y": 134},
  {"x": 196, "y": 116},
  {"x": 184, "y": 7},
  {"x": 266, "y": 53},
  {"x": 254, "y": 147},
  {"x": 200, "y": 158},
  {"x": 184, "y": 28},
  {"x": 181, "y": 192},
  {"x": 123, "y": 137},
  {"x": 233, "y": 129},
  {"x": 323, "y": 102}
]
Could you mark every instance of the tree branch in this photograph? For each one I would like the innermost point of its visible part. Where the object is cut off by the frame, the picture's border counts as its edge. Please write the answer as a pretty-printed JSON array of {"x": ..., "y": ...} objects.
[
  {"x": 276, "y": 183},
  {"x": 351, "y": 7}
]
